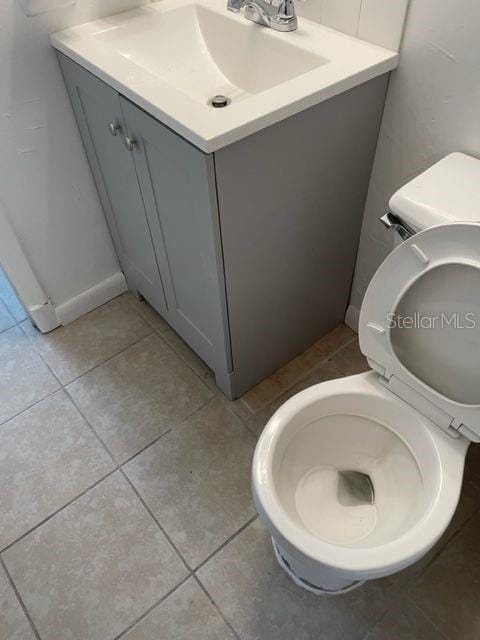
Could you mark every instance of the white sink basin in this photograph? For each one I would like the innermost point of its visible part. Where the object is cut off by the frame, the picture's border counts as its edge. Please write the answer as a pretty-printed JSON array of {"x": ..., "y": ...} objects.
[
  {"x": 203, "y": 52},
  {"x": 172, "y": 57}
]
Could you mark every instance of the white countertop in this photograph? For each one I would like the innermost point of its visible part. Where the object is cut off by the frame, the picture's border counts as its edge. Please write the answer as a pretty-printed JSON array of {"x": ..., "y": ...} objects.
[{"x": 171, "y": 56}]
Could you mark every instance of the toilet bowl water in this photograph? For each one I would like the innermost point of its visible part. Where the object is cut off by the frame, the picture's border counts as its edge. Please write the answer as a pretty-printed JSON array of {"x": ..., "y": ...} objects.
[
  {"x": 329, "y": 510},
  {"x": 312, "y": 488}
]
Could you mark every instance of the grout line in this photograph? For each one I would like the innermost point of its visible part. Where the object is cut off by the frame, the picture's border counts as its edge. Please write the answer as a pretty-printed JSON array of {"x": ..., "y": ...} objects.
[
  {"x": 15, "y": 321},
  {"x": 85, "y": 419},
  {"x": 155, "y": 519},
  {"x": 407, "y": 589},
  {"x": 63, "y": 387},
  {"x": 147, "y": 446},
  {"x": 227, "y": 541},
  {"x": 57, "y": 511},
  {"x": 394, "y": 604},
  {"x": 151, "y": 608},
  {"x": 190, "y": 571},
  {"x": 109, "y": 359},
  {"x": 245, "y": 419},
  {"x": 377, "y": 622},
  {"x": 7, "y": 329},
  {"x": 20, "y": 600},
  {"x": 216, "y": 391},
  {"x": 338, "y": 370},
  {"x": 318, "y": 365},
  {"x": 158, "y": 333},
  {"x": 96, "y": 366},
  {"x": 439, "y": 551},
  {"x": 117, "y": 464},
  {"x": 216, "y": 607},
  {"x": 118, "y": 467},
  {"x": 246, "y": 426},
  {"x": 30, "y": 406},
  {"x": 61, "y": 384},
  {"x": 165, "y": 433},
  {"x": 4, "y": 303},
  {"x": 441, "y": 635},
  {"x": 246, "y": 422}
]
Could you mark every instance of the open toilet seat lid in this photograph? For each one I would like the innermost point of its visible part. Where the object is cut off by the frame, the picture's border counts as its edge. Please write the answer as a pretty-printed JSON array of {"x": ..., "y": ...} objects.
[{"x": 420, "y": 325}]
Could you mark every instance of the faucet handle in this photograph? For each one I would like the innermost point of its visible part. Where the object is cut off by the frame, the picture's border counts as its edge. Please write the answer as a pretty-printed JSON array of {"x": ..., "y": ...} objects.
[{"x": 286, "y": 10}]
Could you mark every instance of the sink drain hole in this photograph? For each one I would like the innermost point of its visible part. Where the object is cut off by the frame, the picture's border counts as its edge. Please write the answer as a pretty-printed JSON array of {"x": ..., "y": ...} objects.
[{"x": 218, "y": 102}]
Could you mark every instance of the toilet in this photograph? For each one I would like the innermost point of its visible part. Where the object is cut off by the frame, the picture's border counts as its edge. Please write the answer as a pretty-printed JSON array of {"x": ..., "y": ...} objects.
[{"x": 358, "y": 478}]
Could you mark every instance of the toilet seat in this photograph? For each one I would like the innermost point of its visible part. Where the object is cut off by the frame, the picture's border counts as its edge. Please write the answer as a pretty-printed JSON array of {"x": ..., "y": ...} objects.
[{"x": 441, "y": 380}]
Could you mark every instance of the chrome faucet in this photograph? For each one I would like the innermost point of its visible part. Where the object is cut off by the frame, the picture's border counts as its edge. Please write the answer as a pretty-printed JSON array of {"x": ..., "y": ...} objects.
[{"x": 280, "y": 18}]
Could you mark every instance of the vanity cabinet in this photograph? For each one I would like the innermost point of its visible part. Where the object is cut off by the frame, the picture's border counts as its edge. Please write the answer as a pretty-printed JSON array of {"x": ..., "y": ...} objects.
[
  {"x": 158, "y": 193},
  {"x": 100, "y": 119},
  {"x": 247, "y": 252}
]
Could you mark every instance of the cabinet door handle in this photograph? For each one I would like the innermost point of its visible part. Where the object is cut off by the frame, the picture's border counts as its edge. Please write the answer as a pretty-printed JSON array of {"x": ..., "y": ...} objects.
[
  {"x": 130, "y": 143},
  {"x": 113, "y": 127}
]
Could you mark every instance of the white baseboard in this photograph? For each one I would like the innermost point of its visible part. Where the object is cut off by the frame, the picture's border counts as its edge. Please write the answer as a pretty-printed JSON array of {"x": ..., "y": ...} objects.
[
  {"x": 91, "y": 298},
  {"x": 43, "y": 316},
  {"x": 352, "y": 317}
]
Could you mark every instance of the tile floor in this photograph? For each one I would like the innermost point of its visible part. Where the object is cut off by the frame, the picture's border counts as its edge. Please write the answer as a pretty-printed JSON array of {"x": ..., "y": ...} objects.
[{"x": 125, "y": 509}]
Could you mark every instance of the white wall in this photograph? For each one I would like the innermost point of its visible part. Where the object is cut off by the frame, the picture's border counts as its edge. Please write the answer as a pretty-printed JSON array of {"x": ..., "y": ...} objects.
[
  {"x": 45, "y": 185},
  {"x": 377, "y": 21},
  {"x": 433, "y": 108}
]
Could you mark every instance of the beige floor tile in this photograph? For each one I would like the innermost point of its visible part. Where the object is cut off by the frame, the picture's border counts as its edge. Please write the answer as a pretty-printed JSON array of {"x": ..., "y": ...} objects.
[
  {"x": 404, "y": 622},
  {"x": 13, "y": 622},
  {"x": 468, "y": 505},
  {"x": 95, "y": 567},
  {"x": 187, "y": 614},
  {"x": 180, "y": 347},
  {"x": 350, "y": 360},
  {"x": 262, "y": 603},
  {"x": 48, "y": 456},
  {"x": 6, "y": 319},
  {"x": 448, "y": 591},
  {"x": 25, "y": 378},
  {"x": 9, "y": 298},
  {"x": 196, "y": 480},
  {"x": 297, "y": 369},
  {"x": 236, "y": 406},
  {"x": 257, "y": 422},
  {"x": 85, "y": 343},
  {"x": 138, "y": 395}
]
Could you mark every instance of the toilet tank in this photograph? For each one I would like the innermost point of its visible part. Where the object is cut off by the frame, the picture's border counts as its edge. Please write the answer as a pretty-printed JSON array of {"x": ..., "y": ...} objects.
[{"x": 447, "y": 192}]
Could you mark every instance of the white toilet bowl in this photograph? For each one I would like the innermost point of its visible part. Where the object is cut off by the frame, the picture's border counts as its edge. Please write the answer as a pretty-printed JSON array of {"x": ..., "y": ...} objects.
[
  {"x": 325, "y": 543},
  {"x": 357, "y": 478}
]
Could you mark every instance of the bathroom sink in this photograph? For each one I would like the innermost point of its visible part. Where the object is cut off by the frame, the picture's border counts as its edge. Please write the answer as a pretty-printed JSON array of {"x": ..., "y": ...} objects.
[
  {"x": 172, "y": 57},
  {"x": 204, "y": 53}
]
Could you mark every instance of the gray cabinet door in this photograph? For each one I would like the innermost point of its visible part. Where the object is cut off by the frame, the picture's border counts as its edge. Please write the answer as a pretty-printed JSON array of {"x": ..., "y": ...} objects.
[
  {"x": 96, "y": 107},
  {"x": 178, "y": 186}
]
